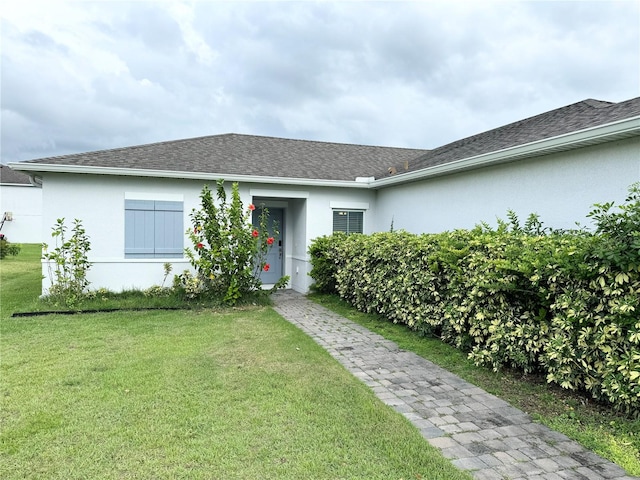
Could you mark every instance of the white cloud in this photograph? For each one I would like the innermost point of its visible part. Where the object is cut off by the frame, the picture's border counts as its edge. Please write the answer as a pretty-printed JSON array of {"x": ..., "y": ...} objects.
[
  {"x": 89, "y": 75},
  {"x": 183, "y": 14}
]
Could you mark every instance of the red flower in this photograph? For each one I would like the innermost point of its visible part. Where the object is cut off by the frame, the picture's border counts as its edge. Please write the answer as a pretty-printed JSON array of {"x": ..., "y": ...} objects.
[
  {"x": 270, "y": 241},
  {"x": 255, "y": 233},
  {"x": 200, "y": 246},
  {"x": 266, "y": 267},
  {"x": 252, "y": 207}
]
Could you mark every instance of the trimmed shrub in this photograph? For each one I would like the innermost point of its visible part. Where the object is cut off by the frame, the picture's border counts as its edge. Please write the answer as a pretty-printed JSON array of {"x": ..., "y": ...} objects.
[
  {"x": 324, "y": 269},
  {"x": 560, "y": 303}
]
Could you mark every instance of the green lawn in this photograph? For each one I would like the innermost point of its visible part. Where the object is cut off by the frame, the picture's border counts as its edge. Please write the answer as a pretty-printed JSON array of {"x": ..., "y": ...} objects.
[
  {"x": 594, "y": 426},
  {"x": 186, "y": 394},
  {"x": 20, "y": 280}
]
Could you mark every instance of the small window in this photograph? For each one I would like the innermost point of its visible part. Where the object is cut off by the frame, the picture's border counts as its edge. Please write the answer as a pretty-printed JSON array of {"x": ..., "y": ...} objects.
[
  {"x": 348, "y": 221},
  {"x": 153, "y": 229}
]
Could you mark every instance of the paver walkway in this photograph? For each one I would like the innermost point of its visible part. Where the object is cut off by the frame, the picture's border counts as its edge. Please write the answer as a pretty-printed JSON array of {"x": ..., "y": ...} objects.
[{"x": 475, "y": 430}]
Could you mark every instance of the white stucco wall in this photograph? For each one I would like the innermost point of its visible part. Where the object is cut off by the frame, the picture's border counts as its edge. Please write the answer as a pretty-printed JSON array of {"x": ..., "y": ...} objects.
[
  {"x": 320, "y": 213},
  {"x": 560, "y": 187},
  {"x": 25, "y": 204},
  {"x": 298, "y": 216},
  {"x": 99, "y": 202},
  {"x": 309, "y": 214}
]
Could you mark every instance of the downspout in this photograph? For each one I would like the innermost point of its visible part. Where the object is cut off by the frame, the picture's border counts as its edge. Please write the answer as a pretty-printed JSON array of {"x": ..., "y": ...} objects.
[{"x": 36, "y": 180}]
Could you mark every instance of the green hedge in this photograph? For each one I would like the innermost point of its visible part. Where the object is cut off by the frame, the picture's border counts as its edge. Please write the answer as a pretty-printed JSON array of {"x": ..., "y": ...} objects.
[{"x": 562, "y": 303}]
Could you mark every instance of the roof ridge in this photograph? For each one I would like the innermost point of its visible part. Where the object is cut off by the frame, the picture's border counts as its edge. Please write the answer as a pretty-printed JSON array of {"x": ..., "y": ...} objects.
[
  {"x": 229, "y": 134},
  {"x": 130, "y": 147},
  {"x": 576, "y": 116},
  {"x": 592, "y": 102},
  {"x": 326, "y": 142},
  {"x": 589, "y": 102}
]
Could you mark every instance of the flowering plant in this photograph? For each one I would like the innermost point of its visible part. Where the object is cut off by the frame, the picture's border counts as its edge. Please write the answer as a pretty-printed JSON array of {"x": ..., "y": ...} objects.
[{"x": 229, "y": 252}]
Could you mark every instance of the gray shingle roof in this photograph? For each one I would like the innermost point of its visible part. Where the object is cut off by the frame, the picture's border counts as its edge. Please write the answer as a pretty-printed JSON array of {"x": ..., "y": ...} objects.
[
  {"x": 8, "y": 176},
  {"x": 578, "y": 116},
  {"x": 235, "y": 154}
]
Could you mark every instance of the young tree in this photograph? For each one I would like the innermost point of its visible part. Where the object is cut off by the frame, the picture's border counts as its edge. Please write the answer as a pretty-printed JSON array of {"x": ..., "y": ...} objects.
[{"x": 68, "y": 262}]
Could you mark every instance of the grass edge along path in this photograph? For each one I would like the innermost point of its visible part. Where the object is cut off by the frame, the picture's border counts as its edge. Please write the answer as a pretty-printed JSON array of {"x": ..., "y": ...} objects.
[
  {"x": 241, "y": 394},
  {"x": 613, "y": 437}
]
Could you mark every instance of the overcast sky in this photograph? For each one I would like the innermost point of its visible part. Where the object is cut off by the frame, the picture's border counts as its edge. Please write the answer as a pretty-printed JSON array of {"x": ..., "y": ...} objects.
[{"x": 81, "y": 76}]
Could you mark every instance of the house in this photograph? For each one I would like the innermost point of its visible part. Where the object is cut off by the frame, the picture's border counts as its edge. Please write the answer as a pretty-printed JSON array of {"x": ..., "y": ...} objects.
[
  {"x": 20, "y": 207},
  {"x": 557, "y": 164},
  {"x": 135, "y": 201}
]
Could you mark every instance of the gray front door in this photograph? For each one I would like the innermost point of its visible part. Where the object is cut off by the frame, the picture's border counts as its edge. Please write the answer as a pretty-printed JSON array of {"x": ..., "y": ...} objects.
[{"x": 275, "y": 257}]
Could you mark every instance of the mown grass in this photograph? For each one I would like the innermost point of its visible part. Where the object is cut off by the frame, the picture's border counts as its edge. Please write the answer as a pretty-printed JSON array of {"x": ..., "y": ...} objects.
[
  {"x": 612, "y": 436},
  {"x": 20, "y": 280},
  {"x": 215, "y": 394}
]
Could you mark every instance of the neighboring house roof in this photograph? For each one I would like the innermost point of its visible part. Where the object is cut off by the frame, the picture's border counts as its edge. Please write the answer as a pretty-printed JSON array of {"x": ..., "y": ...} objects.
[
  {"x": 277, "y": 160},
  {"x": 11, "y": 177},
  {"x": 235, "y": 154}
]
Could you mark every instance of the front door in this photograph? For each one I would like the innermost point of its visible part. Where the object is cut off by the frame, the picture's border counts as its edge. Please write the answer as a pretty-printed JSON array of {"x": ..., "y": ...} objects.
[{"x": 275, "y": 256}]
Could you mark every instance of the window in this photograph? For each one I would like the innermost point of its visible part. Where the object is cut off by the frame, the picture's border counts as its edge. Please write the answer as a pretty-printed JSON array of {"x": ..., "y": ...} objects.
[
  {"x": 153, "y": 229},
  {"x": 349, "y": 221}
]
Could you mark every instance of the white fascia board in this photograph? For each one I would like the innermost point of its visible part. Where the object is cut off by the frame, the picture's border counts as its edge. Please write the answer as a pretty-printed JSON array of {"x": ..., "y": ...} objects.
[
  {"x": 140, "y": 172},
  {"x": 262, "y": 192},
  {"x": 600, "y": 134},
  {"x": 339, "y": 205}
]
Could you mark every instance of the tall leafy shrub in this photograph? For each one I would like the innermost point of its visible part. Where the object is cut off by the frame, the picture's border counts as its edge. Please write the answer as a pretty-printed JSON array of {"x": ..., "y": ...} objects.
[
  {"x": 228, "y": 251},
  {"x": 595, "y": 337},
  {"x": 526, "y": 297},
  {"x": 324, "y": 268}
]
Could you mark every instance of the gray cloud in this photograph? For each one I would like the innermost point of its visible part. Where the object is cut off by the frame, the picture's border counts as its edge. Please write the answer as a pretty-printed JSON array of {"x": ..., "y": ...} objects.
[{"x": 87, "y": 76}]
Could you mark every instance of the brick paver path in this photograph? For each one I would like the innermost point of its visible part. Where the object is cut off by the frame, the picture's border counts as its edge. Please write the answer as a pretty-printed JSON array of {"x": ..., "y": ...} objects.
[{"x": 477, "y": 431}]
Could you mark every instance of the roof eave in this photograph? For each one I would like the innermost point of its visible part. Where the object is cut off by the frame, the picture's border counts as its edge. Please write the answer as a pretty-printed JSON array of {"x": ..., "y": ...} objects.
[
  {"x": 15, "y": 184},
  {"x": 39, "y": 168},
  {"x": 591, "y": 136}
]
